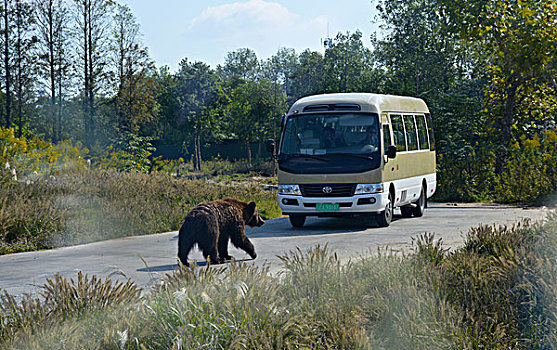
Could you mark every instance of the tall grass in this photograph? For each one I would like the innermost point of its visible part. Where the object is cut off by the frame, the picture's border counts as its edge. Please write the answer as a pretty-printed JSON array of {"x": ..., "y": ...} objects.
[
  {"x": 498, "y": 291},
  {"x": 503, "y": 284},
  {"x": 91, "y": 205}
]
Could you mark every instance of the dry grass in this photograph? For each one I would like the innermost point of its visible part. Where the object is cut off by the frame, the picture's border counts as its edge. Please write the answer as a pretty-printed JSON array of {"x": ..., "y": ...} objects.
[
  {"x": 92, "y": 205},
  {"x": 496, "y": 292}
]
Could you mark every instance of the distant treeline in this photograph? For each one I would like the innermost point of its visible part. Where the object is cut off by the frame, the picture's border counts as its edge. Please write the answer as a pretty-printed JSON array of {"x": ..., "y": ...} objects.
[{"x": 79, "y": 70}]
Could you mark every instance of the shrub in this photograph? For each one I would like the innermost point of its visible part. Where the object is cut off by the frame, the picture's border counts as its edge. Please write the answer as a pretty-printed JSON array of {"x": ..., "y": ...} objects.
[
  {"x": 60, "y": 300},
  {"x": 529, "y": 176},
  {"x": 28, "y": 154},
  {"x": 502, "y": 283}
]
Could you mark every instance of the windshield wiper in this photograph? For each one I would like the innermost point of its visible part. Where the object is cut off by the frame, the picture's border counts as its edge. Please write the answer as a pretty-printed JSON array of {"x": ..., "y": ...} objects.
[
  {"x": 362, "y": 156},
  {"x": 299, "y": 155}
]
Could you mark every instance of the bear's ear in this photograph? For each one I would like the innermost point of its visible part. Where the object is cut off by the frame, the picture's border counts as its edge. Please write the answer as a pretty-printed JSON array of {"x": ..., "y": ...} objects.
[{"x": 251, "y": 208}]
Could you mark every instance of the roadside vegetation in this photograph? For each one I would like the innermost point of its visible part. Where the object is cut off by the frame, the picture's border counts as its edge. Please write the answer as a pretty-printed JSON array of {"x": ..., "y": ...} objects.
[
  {"x": 79, "y": 140},
  {"x": 50, "y": 196},
  {"x": 498, "y": 291}
]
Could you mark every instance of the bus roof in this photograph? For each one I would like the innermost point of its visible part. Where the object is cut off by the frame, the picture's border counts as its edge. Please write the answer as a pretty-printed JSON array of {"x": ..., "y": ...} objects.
[{"x": 366, "y": 102}]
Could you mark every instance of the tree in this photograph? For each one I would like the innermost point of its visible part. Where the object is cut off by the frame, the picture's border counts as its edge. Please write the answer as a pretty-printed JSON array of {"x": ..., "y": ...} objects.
[
  {"x": 516, "y": 42},
  {"x": 134, "y": 79},
  {"x": 420, "y": 54},
  {"x": 7, "y": 47},
  {"x": 345, "y": 62},
  {"x": 241, "y": 64},
  {"x": 166, "y": 96},
  {"x": 308, "y": 75},
  {"x": 24, "y": 43},
  {"x": 279, "y": 69},
  {"x": 91, "y": 18},
  {"x": 54, "y": 62},
  {"x": 198, "y": 93},
  {"x": 251, "y": 109}
]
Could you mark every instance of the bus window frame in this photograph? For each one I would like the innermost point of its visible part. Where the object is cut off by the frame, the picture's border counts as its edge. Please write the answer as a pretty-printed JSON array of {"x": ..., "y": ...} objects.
[
  {"x": 417, "y": 143},
  {"x": 401, "y": 115},
  {"x": 403, "y": 131},
  {"x": 426, "y": 132}
]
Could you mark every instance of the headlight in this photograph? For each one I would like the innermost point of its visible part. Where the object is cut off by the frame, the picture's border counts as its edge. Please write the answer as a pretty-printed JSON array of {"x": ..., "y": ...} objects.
[
  {"x": 368, "y": 188},
  {"x": 289, "y": 189}
]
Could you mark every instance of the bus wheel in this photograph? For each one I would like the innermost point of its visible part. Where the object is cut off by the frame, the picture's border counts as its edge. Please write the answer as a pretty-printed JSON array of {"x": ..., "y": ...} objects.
[
  {"x": 406, "y": 212},
  {"x": 385, "y": 217},
  {"x": 297, "y": 220},
  {"x": 419, "y": 209}
]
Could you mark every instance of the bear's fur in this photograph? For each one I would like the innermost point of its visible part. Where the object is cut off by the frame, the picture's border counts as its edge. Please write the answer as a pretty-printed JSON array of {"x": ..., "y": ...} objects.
[{"x": 210, "y": 225}]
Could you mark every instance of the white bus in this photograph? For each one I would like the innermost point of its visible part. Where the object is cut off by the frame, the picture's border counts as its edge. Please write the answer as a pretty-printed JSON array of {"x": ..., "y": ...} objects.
[{"x": 353, "y": 154}]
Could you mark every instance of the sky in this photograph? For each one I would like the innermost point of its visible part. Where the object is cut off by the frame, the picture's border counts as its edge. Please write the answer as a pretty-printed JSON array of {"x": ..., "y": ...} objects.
[{"x": 206, "y": 30}]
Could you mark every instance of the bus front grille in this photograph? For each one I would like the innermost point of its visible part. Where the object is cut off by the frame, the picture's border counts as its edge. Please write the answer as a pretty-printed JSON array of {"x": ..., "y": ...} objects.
[{"x": 328, "y": 190}]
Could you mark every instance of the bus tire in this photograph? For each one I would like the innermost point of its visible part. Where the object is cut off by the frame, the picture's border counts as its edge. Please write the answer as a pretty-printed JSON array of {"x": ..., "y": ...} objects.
[
  {"x": 385, "y": 217},
  {"x": 297, "y": 220},
  {"x": 419, "y": 209},
  {"x": 406, "y": 212}
]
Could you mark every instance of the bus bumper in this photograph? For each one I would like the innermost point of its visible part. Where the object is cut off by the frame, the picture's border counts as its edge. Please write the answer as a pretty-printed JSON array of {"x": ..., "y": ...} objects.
[{"x": 358, "y": 204}]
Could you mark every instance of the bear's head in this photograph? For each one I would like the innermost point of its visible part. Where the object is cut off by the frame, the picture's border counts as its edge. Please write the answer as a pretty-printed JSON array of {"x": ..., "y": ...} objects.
[{"x": 254, "y": 220}]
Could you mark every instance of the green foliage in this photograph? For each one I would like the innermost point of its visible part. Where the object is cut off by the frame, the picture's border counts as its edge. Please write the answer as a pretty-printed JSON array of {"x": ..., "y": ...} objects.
[
  {"x": 502, "y": 284},
  {"x": 530, "y": 174},
  {"x": 515, "y": 44},
  {"x": 130, "y": 152},
  {"x": 467, "y": 173},
  {"x": 347, "y": 65}
]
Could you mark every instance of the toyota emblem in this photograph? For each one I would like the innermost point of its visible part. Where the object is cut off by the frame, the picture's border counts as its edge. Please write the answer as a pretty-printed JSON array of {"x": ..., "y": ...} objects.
[{"x": 327, "y": 189}]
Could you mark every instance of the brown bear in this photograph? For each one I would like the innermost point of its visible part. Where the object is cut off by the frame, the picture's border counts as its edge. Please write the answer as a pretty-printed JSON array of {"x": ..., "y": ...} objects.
[{"x": 210, "y": 225}]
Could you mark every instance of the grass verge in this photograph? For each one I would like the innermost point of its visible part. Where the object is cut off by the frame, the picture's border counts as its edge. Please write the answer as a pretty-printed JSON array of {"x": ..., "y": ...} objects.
[
  {"x": 91, "y": 205},
  {"x": 498, "y": 291}
]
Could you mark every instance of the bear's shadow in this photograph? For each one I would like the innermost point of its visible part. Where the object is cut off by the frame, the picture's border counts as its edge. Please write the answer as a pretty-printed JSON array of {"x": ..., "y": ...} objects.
[{"x": 172, "y": 267}]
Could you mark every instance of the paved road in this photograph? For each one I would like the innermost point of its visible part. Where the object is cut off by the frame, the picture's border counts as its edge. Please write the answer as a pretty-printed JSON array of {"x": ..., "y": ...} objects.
[{"x": 146, "y": 258}]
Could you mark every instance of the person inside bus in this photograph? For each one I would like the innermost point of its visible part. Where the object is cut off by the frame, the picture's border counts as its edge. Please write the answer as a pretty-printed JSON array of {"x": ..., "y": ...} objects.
[
  {"x": 331, "y": 140},
  {"x": 371, "y": 141}
]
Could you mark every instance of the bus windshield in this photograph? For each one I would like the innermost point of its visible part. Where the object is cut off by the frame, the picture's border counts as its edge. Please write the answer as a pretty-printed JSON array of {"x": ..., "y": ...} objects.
[{"x": 322, "y": 134}]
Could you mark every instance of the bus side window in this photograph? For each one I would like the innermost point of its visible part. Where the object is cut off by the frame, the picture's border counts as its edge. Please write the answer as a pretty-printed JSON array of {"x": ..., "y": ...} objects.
[
  {"x": 386, "y": 138},
  {"x": 422, "y": 132},
  {"x": 398, "y": 133},
  {"x": 430, "y": 132},
  {"x": 411, "y": 135}
]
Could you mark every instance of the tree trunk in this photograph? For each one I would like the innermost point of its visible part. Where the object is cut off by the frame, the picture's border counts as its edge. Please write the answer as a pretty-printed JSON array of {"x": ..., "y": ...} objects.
[
  {"x": 198, "y": 145},
  {"x": 60, "y": 73},
  {"x": 274, "y": 130},
  {"x": 7, "y": 62},
  {"x": 86, "y": 76},
  {"x": 52, "y": 70},
  {"x": 19, "y": 75},
  {"x": 259, "y": 147},
  {"x": 249, "y": 152},
  {"x": 91, "y": 72},
  {"x": 60, "y": 106},
  {"x": 196, "y": 160},
  {"x": 194, "y": 154},
  {"x": 506, "y": 126},
  {"x": 345, "y": 83}
]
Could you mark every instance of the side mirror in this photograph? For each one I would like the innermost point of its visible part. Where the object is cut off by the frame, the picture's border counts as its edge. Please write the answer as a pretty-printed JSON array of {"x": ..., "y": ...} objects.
[
  {"x": 283, "y": 119},
  {"x": 271, "y": 146},
  {"x": 391, "y": 151}
]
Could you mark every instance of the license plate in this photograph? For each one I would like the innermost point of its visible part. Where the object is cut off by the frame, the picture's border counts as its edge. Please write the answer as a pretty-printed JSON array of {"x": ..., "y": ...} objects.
[{"x": 326, "y": 206}]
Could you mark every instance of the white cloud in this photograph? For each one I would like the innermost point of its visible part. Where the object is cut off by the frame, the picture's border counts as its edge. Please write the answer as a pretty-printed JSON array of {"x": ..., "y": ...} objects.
[
  {"x": 258, "y": 24},
  {"x": 254, "y": 10}
]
